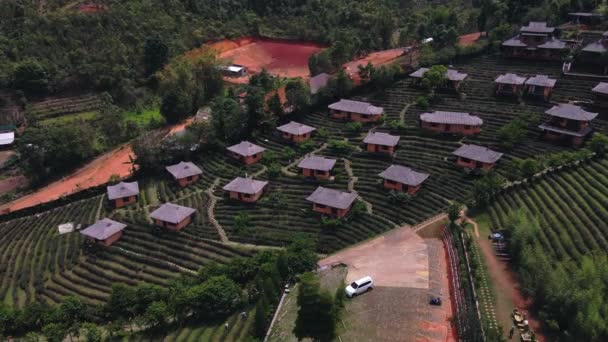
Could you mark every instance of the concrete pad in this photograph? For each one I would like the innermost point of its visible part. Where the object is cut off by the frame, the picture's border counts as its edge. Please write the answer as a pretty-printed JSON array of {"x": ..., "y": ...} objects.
[{"x": 396, "y": 259}]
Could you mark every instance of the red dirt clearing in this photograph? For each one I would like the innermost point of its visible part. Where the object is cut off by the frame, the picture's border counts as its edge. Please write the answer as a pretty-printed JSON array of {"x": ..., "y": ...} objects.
[
  {"x": 376, "y": 58},
  {"x": 469, "y": 39},
  {"x": 279, "y": 57}
]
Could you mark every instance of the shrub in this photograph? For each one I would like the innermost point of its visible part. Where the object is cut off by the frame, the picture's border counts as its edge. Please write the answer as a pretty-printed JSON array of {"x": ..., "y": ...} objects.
[
  {"x": 399, "y": 197},
  {"x": 306, "y": 146},
  {"x": 598, "y": 144},
  {"x": 288, "y": 153},
  {"x": 354, "y": 127},
  {"x": 422, "y": 102},
  {"x": 331, "y": 223},
  {"x": 269, "y": 157},
  {"x": 274, "y": 170},
  {"x": 322, "y": 133},
  {"x": 396, "y": 124},
  {"x": 241, "y": 223},
  {"x": 340, "y": 146}
]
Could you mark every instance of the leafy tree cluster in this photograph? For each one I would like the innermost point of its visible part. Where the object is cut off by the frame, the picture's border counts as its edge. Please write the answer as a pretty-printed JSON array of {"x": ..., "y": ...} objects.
[
  {"x": 318, "y": 310},
  {"x": 515, "y": 131},
  {"x": 571, "y": 294},
  {"x": 487, "y": 188},
  {"x": 517, "y": 169}
]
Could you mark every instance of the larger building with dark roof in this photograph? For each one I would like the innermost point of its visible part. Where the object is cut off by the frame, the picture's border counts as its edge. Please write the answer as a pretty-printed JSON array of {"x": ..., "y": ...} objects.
[
  {"x": 317, "y": 167},
  {"x": 246, "y": 152},
  {"x": 245, "y": 189},
  {"x": 172, "y": 216},
  {"x": 401, "y": 178},
  {"x": 184, "y": 173},
  {"x": 355, "y": 111},
  {"x": 104, "y": 232},
  {"x": 332, "y": 202},
  {"x": 451, "y": 122},
  {"x": 123, "y": 193},
  {"x": 535, "y": 41},
  {"x": 568, "y": 123},
  {"x": 471, "y": 156}
]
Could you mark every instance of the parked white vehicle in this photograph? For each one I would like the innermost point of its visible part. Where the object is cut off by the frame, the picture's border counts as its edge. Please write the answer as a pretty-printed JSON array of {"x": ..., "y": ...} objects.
[{"x": 360, "y": 286}]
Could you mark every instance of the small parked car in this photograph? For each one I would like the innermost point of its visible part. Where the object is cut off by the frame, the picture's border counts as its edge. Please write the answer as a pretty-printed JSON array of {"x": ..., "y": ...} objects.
[{"x": 360, "y": 286}]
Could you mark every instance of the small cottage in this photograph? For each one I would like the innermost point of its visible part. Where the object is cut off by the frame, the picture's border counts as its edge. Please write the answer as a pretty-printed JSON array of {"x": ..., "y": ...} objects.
[
  {"x": 540, "y": 86},
  {"x": 355, "y": 111},
  {"x": 246, "y": 152},
  {"x": 245, "y": 189},
  {"x": 381, "y": 142},
  {"x": 535, "y": 41},
  {"x": 317, "y": 167},
  {"x": 172, "y": 216},
  {"x": 401, "y": 178},
  {"x": 509, "y": 84},
  {"x": 123, "y": 193},
  {"x": 296, "y": 132},
  {"x": 454, "y": 78},
  {"x": 318, "y": 82},
  {"x": 476, "y": 157},
  {"x": 104, "y": 232},
  {"x": 600, "y": 91},
  {"x": 568, "y": 123},
  {"x": 185, "y": 173},
  {"x": 331, "y": 202},
  {"x": 451, "y": 122}
]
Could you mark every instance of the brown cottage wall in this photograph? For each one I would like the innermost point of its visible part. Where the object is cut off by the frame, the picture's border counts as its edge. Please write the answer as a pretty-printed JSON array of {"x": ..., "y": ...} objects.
[
  {"x": 121, "y": 202},
  {"x": 472, "y": 164},
  {"x": 401, "y": 187},
  {"x": 364, "y": 118},
  {"x": 110, "y": 240},
  {"x": 380, "y": 148},
  {"x": 315, "y": 173},
  {"x": 172, "y": 226},
  {"x": 183, "y": 182},
  {"x": 296, "y": 138},
  {"x": 460, "y": 129},
  {"x": 252, "y": 159},
  {"x": 330, "y": 211},
  {"x": 244, "y": 198}
]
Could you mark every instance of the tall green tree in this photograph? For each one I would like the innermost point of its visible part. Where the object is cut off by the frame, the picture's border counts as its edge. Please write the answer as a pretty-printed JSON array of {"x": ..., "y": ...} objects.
[
  {"x": 156, "y": 55},
  {"x": 32, "y": 77}
]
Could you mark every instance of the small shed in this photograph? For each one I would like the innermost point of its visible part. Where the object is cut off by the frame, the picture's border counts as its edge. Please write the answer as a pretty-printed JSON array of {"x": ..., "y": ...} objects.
[
  {"x": 540, "y": 85},
  {"x": 451, "y": 122},
  {"x": 235, "y": 70},
  {"x": 381, "y": 142},
  {"x": 296, "y": 132},
  {"x": 509, "y": 84},
  {"x": 601, "y": 92},
  {"x": 317, "y": 167},
  {"x": 246, "y": 152},
  {"x": 476, "y": 157},
  {"x": 245, "y": 189},
  {"x": 318, "y": 82},
  {"x": 185, "y": 173},
  {"x": 401, "y": 178},
  {"x": 172, "y": 216},
  {"x": 356, "y": 111},
  {"x": 104, "y": 232},
  {"x": 123, "y": 193},
  {"x": 568, "y": 122},
  {"x": 7, "y": 135},
  {"x": 331, "y": 202}
]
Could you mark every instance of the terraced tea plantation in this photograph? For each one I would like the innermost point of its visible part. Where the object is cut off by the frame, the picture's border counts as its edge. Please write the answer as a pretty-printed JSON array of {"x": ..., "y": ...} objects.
[{"x": 571, "y": 205}]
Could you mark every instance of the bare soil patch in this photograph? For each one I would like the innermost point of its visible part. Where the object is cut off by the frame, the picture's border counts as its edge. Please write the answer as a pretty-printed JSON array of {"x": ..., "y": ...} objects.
[{"x": 376, "y": 58}]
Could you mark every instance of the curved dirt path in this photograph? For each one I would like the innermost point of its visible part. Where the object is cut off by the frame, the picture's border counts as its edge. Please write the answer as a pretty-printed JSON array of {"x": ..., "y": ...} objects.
[{"x": 505, "y": 280}]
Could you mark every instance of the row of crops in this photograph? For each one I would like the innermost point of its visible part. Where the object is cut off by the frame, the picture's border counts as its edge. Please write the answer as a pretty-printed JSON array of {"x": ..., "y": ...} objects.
[
  {"x": 64, "y": 106},
  {"x": 571, "y": 206}
]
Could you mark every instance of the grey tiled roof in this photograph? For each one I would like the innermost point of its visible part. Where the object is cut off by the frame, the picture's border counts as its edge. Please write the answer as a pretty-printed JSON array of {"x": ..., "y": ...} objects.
[
  {"x": 478, "y": 153},
  {"x": 451, "y": 118},
  {"x": 246, "y": 149},
  {"x": 103, "y": 229},
  {"x": 295, "y": 128},
  {"x": 184, "y": 170},
  {"x": 380, "y": 138},
  {"x": 571, "y": 112},
  {"x": 601, "y": 88},
  {"x": 359, "y": 107},
  {"x": 317, "y": 163},
  {"x": 452, "y": 75},
  {"x": 596, "y": 47},
  {"x": 172, "y": 213},
  {"x": 561, "y": 130},
  {"x": 515, "y": 42},
  {"x": 122, "y": 190},
  {"x": 332, "y": 198},
  {"x": 510, "y": 79},
  {"x": 245, "y": 185},
  {"x": 404, "y": 175},
  {"x": 541, "y": 81},
  {"x": 318, "y": 82},
  {"x": 554, "y": 43},
  {"x": 537, "y": 27}
]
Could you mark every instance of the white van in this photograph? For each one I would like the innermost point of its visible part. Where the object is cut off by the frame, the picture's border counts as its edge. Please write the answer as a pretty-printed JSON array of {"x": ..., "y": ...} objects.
[{"x": 359, "y": 286}]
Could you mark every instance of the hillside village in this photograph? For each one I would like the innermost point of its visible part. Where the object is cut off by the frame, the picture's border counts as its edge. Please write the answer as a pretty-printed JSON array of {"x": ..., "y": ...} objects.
[{"x": 260, "y": 176}]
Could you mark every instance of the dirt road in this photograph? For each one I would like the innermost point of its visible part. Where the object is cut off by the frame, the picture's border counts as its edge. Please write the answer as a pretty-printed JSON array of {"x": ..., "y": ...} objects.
[{"x": 505, "y": 282}]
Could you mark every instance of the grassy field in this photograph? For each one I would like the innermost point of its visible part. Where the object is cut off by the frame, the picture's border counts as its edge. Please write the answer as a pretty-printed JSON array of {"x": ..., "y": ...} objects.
[
  {"x": 144, "y": 117},
  {"x": 70, "y": 118}
]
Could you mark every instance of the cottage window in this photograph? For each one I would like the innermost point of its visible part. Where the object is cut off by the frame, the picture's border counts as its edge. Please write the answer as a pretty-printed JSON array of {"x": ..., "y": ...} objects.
[
  {"x": 246, "y": 196},
  {"x": 391, "y": 182},
  {"x": 467, "y": 127},
  {"x": 434, "y": 124},
  {"x": 321, "y": 206},
  {"x": 321, "y": 173},
  {"x": 465, "y": 160},
  {"x": 189, "y": 178}
]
